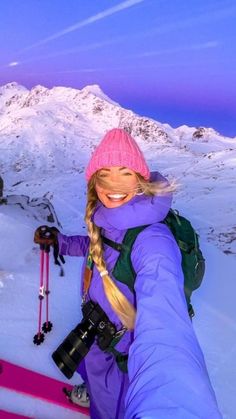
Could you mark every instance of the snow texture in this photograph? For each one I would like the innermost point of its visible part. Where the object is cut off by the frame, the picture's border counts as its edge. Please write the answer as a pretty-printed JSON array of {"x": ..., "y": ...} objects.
[{"x": 46, "y": 139}]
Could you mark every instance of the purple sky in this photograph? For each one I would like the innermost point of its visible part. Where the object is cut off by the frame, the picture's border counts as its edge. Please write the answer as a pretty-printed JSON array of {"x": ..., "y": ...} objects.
[{"x": 174, "y": 61}]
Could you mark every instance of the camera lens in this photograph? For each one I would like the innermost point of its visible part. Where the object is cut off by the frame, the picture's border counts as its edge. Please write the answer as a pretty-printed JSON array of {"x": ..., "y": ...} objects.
[
  {"x": 77, "y": 344},
  {"x": 74, "y": 348}
]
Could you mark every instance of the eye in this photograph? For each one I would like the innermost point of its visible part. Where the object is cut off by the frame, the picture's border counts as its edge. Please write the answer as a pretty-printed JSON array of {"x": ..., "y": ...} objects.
[
  {"x": 127, "y": 174},
  {"x": 103, "y": 174}
]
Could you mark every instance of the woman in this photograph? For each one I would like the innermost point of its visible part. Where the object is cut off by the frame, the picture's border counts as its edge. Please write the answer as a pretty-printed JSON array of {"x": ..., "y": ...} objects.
[{"x": 167, "y": 376}]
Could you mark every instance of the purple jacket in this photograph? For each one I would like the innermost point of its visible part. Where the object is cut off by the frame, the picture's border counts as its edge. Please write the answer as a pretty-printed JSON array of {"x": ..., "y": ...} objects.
[{"x": 167, "y": 376}]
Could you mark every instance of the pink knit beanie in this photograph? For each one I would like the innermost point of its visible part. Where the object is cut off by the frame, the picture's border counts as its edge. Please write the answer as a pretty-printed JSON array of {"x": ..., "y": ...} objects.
[{"x": 117, "y": 148}]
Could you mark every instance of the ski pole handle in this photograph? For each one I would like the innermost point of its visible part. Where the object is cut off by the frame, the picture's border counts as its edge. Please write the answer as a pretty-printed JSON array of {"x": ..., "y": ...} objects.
[{"x": 46, "y": 236}]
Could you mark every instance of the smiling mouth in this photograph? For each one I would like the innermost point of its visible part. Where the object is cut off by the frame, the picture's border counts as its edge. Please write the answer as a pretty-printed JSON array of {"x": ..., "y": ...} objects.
[{"x": 116, "y": 197}]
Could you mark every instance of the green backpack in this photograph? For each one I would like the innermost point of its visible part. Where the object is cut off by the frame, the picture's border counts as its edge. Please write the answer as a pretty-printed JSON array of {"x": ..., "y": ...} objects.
[{"x": 193, "y": 263}]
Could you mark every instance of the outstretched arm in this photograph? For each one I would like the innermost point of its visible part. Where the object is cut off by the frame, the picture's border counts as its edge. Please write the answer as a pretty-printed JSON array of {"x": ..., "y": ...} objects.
[
  {"x": 73, "y": 245},
  {"x": 167, "y": 372}
]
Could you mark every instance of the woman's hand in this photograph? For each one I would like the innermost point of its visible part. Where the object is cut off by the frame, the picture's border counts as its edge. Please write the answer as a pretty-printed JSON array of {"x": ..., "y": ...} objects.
[{"x": 46, "y": 236}]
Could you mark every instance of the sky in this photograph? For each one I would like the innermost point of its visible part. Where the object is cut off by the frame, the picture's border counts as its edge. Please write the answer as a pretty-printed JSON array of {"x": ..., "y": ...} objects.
[{"x": 174, "y": 61}]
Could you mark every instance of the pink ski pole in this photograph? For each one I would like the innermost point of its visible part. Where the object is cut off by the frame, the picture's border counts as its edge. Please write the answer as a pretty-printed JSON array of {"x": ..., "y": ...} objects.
[
  {"x": 43, "y": 291},
  {"x": 47, "y": 326},
  {"x": 39, "y": 337}
]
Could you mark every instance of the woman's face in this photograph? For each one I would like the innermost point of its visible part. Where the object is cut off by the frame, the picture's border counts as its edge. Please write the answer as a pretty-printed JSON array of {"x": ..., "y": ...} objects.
[{"x": 120, "y": 175}]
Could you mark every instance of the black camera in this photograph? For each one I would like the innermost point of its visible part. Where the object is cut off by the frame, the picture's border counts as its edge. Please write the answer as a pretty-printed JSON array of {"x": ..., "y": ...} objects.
[{"x": 95, "y": 325}]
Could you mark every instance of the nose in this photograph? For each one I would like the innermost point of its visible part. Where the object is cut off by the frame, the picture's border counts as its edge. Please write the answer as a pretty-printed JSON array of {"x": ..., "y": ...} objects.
[{"x": 114, "y": 177}]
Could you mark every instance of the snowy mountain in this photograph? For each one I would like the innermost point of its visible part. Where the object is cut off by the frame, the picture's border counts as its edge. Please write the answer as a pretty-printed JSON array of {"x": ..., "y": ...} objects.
[
  {"x": 45, "y": 132},
  {"x": 46, "y": 138}
]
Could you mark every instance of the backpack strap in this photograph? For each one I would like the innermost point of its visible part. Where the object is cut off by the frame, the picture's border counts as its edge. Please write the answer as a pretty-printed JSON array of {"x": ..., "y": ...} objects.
[
  {"x": 193, "y": 264},
  {"x": 123, "y": 270},
  {"x": 111, "y": 243}
]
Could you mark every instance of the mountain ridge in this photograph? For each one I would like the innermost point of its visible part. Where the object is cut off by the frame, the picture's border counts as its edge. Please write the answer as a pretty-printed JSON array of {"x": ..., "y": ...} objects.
[{"x": 50, "y": 134}]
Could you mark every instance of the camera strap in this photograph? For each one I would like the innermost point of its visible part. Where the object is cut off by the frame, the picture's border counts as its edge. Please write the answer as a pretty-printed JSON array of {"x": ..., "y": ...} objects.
[
  {"x": 120, "y": 358},
  {"x": 87, "y": 276}
]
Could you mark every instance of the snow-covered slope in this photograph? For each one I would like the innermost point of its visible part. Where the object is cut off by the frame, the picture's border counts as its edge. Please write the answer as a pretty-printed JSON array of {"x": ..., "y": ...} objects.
[
  {"x": 46, "y": 138},
  {"x": 50, "y": 132}
]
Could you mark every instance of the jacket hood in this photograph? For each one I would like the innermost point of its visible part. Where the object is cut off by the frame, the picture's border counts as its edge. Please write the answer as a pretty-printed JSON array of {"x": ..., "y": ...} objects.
[{"x": 140, "y": 210}]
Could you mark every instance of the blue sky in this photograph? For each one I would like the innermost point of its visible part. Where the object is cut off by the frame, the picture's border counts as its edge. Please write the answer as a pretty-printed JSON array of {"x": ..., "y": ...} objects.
[{"x": 172, "y": 60}]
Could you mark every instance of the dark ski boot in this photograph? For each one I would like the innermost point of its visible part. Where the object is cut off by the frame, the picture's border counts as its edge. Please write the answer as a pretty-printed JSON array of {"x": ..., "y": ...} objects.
[{"x": 78, "y": 395}]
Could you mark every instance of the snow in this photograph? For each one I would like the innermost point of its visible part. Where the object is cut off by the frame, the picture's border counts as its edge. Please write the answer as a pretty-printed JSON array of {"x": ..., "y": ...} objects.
[
  {"x": 46, "y": 138},
  {"x": 97, "y": 91}
]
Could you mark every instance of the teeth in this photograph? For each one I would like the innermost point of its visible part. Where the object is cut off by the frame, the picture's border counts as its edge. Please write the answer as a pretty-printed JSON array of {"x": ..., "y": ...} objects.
[{"x": 116, "y": 196}]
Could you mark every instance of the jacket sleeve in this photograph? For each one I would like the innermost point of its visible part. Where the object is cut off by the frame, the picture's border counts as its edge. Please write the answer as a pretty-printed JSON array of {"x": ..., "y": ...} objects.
[
  {"x": 73, "y": 245},
  {"x": 167, "y": 372}
]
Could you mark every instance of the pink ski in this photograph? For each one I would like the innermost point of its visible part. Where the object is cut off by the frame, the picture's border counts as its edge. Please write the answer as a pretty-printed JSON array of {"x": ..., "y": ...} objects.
[
  {"x": 31, "y": 383},
  {"x": 8, "y": 415}
]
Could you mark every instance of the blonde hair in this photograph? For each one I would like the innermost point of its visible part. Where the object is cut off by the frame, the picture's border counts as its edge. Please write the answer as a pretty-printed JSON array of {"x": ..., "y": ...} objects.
[
  {"x": 143, "y": 186},
  {"x": 119, "y": 303}
]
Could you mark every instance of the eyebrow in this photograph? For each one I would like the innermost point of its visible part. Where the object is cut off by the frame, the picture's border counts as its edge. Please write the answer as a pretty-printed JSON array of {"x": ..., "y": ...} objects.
[{"x": 121, "y": 168}]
